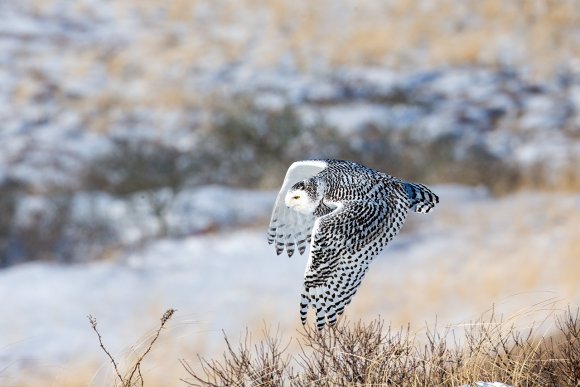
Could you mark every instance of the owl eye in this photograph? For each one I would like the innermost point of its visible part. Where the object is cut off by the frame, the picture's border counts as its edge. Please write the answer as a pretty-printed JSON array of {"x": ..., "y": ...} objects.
[{"x": 296, "y": 197}]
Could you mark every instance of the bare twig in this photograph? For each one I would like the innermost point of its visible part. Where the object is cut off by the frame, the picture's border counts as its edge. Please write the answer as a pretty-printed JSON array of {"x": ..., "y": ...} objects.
[
  {"x": 136, "y": 369},
  {"x": 93, "y": 322},
  {"x": 371, "y": 354}
]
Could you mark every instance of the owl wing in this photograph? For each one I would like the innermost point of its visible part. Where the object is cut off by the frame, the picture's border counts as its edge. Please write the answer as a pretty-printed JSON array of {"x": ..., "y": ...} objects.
[
  {"x": 289, "y": 228},
  {"x": 343, "y": 244}
]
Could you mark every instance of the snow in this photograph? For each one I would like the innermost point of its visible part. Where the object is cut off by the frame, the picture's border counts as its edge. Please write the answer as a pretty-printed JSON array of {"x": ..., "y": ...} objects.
[
  {"x": 97, "y": 221},
  {"x": 350, "y": 119},
  {"x": 209, "y": 279},
  {"x": 541, "y": 113},
  {"x": 233, "y": 279},
  {"x": 215, "y": 207}
]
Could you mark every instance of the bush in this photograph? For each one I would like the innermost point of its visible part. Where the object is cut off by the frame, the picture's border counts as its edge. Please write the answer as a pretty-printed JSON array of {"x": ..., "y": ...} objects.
[
  {"x": 372, "y": 354},
  {"x": 139, "y": 166},
  {"x": 35, "y": 227},
  {"x": 248, "y": 147},
  {"x": 145, "y": 168},
  {"x": 11, "y": 190}
]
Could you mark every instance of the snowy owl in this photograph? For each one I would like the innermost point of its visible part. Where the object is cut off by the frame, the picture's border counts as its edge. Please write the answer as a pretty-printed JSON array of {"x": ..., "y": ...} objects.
[{"x": 348, "y": 213}]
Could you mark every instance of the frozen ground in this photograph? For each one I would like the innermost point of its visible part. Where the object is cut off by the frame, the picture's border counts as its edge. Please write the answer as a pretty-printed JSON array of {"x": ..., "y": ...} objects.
[
  {"x": 519, "y": 253},
  {"x": 505, "y": 113}
]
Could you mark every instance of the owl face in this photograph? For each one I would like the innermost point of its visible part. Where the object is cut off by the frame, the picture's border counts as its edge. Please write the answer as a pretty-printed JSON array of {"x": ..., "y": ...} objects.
[{"x": 302, "y": 198}]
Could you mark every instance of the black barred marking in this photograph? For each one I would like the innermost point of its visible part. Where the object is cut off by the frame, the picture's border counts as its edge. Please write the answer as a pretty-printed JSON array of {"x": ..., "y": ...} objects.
[
  {"x": 359, "y": 210},
  {"x": 421, "y": 198}
]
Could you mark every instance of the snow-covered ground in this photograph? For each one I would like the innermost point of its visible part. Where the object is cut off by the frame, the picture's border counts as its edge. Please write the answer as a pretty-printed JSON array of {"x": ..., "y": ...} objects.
[
  {"x": 506, "y": 114},
  {"x": 76, "y": 76},
  {"x": 519, "y": 253}
]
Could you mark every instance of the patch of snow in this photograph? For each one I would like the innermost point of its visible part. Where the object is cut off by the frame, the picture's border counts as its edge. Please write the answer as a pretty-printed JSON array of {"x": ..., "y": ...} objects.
[
  {"x": 216, "y": 207},
  {"x": 558, "y": 150},
  {"x": 540, "y": 114},
  {"x": 269, "y": 101},
  {"x": 320, "y": 92},
  {"x": 349, "y": 119}
]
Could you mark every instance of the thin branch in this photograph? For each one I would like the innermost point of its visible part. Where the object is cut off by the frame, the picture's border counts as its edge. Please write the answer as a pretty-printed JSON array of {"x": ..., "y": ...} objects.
[
  {"x": 93, "y": 322},
  {"x": 127, "y": 382},
  {"x": 166, "y": 316}
]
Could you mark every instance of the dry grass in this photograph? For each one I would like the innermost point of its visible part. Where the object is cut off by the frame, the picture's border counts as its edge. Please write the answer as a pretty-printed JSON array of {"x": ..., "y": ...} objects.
[
  {"x": 184, "y": 36},
  {"x": 399, "y": 33},
  {"x": 515, "y": 252},
  {"x": 374, "y": 354},
  {"x": 540, "y": 177}
]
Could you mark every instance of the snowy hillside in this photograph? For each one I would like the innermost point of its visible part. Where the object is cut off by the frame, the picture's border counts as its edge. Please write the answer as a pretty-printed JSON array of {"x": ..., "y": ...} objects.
[
  {"x": 78, "y": 77},
  {"x": 114, "y": 114}
]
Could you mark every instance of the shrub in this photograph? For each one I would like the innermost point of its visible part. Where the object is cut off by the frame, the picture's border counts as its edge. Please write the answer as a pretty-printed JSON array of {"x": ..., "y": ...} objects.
[
  {"x": 247, "y": 146},
  {"x": 8, "y": 204},
  {"x": 146, "y": 168},
  {"x": 375, "y": 354},
  {"x": 139, "y": 166}
]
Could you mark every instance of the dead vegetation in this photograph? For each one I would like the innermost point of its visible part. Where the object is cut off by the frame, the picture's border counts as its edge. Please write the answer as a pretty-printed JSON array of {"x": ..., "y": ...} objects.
[
  {"x": 133, "y": 376},
  {"x": 376, "y": 354}
]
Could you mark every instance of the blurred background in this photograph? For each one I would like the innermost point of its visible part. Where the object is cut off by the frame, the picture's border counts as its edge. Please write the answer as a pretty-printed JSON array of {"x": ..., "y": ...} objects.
[{"x": 142, "y": 144}]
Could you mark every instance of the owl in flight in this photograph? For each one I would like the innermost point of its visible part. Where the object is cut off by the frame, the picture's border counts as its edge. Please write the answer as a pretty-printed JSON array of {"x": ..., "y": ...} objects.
[{"x": 348, "y": 213}]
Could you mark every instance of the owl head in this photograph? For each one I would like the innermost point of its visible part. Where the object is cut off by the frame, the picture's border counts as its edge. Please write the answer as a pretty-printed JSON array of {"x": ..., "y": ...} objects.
[{"x": 304, "y": 196}]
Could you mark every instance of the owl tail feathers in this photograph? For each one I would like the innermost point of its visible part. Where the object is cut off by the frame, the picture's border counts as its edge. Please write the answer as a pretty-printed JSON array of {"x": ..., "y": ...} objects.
[{"x": 421, "y": 198}]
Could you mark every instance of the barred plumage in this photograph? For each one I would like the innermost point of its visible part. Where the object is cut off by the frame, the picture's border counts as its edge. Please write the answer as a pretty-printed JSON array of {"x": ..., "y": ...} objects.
[{"x": 348, "y": 213}]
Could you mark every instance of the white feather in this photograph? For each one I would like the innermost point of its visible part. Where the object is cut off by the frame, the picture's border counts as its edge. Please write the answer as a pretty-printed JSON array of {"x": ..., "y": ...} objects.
[{"x": 285, "y": 221}]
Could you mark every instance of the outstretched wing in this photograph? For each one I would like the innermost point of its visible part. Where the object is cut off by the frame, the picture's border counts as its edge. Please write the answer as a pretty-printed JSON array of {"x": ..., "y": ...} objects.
[
  {"x": 289, "y": 228},
  {"x": 343, "y": 244}
]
